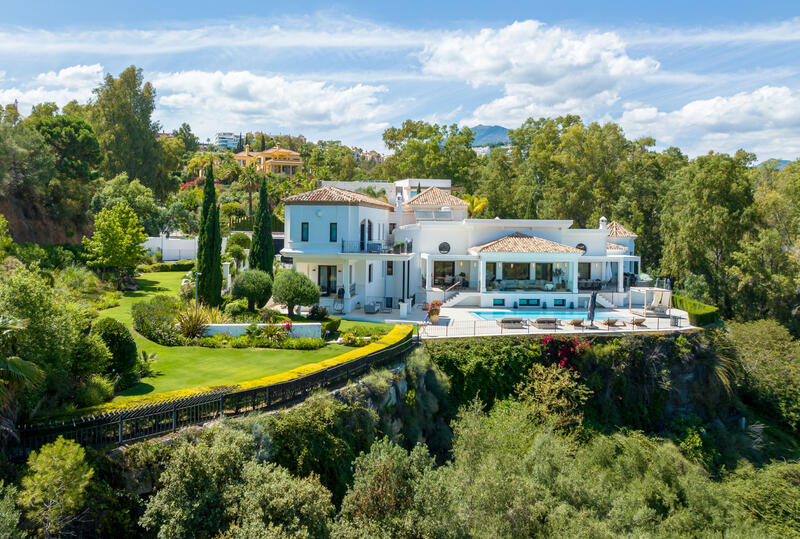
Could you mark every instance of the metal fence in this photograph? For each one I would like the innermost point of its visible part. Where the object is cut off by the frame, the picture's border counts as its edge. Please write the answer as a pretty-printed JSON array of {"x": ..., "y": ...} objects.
[
  {"x": 476, "y": 328},
  {"x": 148, "y": 420}
]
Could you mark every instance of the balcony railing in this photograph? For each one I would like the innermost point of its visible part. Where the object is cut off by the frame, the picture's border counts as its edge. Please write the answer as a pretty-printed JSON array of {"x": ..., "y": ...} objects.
[
  {"x": 527, "y": 284},
  {"x": 371, "y": 246}
]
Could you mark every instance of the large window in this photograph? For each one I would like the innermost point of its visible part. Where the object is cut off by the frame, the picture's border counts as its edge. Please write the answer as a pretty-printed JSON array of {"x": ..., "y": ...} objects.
[
  {"x": 544, "y": 271},
  {"x": 491, "y": 271},
  {"x": 389, "y": 268},
  {"x": 516, "y": 270},
  {"x": 369, "y": 273},
  {"x": 303, "y": 231},
  {"x": 334, "y": 232},
  {"x": 584, "y": 270},
  {"x": 444, "y": 272}
]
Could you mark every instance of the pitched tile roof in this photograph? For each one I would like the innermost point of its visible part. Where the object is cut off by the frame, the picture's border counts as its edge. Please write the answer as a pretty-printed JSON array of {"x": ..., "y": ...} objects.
[
  {"x": 333, "y": 196},
  {"x": 279, "y": 149},
  {"x": 433, "y": 196},
  {"x": 616, "y": 230},
  {"x": 517, "y": 242},
  {"x": 615, "y": 246}
]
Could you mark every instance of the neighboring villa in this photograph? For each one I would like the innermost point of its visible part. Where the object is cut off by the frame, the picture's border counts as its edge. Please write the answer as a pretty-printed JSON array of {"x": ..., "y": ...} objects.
[
  {"x": 276, "y": 160},
  {"x": 364, "y": 251}
]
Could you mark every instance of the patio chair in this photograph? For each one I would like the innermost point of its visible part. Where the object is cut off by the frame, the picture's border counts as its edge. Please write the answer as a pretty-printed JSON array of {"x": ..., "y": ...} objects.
[
  {"x": 338, "y": 307},
  {"x": 511, "y": 323},
  {"x": 370, "y": 308},
  {"x": 546, "y": 323},
  {"x": 637, "y": 322}
]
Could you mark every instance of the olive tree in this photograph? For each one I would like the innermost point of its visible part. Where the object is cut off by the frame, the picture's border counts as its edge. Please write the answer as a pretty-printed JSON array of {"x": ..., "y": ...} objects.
[
  {"x": 253, "y": 285},
  {"x": 292, "y": 289}
]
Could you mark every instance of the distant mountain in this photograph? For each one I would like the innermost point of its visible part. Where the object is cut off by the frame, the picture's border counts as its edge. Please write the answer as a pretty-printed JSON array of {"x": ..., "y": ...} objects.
[
  {"x": 490, "y": 134},
  {"x": 777, "y": 163}
]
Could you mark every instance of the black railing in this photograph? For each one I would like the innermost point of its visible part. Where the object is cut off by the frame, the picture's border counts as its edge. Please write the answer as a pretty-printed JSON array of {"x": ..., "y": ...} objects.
[{"x": 148, "y": 420}]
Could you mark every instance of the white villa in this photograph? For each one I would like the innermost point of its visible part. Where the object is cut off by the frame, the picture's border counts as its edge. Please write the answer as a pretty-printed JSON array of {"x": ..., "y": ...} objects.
[{"x": 368, "y": 253}]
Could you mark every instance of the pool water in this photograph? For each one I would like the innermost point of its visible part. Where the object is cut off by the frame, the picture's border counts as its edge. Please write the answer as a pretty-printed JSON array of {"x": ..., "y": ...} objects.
[{"x": 545, "y": 313}]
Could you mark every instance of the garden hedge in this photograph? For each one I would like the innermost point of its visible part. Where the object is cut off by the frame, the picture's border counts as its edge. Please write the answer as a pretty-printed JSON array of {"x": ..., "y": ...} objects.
[
  {"x": 178, "y": 265},
  {"x": 700, "y": 314}
]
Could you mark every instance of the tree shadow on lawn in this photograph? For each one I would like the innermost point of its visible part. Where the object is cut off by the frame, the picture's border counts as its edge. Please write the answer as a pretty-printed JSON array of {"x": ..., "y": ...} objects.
[
  {"x": 148, "y": 286},
  {"x": 139, "y": 389}
]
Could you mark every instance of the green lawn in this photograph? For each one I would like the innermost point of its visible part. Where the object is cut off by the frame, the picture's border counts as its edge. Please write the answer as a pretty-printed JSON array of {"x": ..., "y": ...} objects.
[{"x": 183, "y": 367}]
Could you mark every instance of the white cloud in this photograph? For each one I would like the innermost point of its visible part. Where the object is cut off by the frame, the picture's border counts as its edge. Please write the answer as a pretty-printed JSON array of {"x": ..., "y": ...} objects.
[
  {"x": 543, "y": 70},
  {"x": 763, "y": 121},
  {"x": 60, "y": 87},
  {"x": 779, "y": 32},
  {"x": 320, "y": 31},
  {"x": 78, "y": 76},
  {"x": 210, "y": 100}
]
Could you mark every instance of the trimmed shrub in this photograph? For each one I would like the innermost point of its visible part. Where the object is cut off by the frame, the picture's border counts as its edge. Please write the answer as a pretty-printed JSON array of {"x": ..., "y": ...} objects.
[
  {"x": 273, "y": 316},
  {"x": 97, "y": 390},
  {"x": 292, "y": 289},
  {"x": 155, "y": 319},
  {"x": 90, "y": 355},
  {"x": 240, "y": 239},
  {"x": 178, "y": 265},
  {"x": 302, "y": 343},
  {"x": 120, "y": 343},
  {"x": 331, "y": 325},
  {"x": 700, "y": 314},
  {"x": 317, "y": 312},
  {"x": 236, "y": 307},
  {"x": 253, "y": 285}
]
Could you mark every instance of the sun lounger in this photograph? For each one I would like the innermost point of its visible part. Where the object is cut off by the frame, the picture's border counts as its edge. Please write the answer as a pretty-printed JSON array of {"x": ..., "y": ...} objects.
[
  {"x": 637, "y": 322},
  {"x": 576, "y": 323},
  {"x": 546, "y": 323},
  {"x": 610, "y": 323},
  {"x": 511, "y": 323}
]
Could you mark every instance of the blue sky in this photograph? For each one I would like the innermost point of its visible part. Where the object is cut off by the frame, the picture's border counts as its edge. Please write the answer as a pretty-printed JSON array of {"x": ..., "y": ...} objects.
[{"x": 699, "y": 75}]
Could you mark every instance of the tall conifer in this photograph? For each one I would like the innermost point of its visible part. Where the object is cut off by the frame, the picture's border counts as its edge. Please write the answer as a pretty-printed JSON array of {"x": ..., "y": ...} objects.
[
  {"x": 262, "y": 253},
  {"x": 209, "y": 245}
]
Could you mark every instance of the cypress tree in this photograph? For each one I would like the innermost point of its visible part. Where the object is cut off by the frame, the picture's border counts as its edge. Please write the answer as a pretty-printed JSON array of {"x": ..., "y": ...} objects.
[
  {"x": 262, "y": 253},
  {"x": 262, "y": 143},
  {"x": 209, "y": 245}
]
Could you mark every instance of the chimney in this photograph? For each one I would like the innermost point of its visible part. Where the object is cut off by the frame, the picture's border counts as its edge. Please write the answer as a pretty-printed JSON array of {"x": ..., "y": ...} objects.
[{"x": 603, "y": 221}]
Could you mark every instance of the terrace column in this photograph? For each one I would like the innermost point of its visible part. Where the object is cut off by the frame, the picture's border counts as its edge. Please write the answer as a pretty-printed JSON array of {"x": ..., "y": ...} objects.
[
  {"x": 428, "y": 279},
  {"x": 574, "y": 267},
  {"x": 620, "y": 277},
  {"x": 346, "y": 278},
  {"x": 481, "y": 276}
]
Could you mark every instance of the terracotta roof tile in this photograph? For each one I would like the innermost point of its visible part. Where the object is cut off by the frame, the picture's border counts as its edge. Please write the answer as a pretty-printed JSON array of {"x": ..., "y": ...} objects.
[
  {"x": 616, "y": 230},
  {"x": 615, "y": 246},
  {"x": 517, "y": 242},
  {"x": 433, "y": 196},
  {"x": 333, "y": 196}
]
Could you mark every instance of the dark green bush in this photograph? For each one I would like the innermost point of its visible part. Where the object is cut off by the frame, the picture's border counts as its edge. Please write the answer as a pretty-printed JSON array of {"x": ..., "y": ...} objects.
[
  {"x": 253, "y": 285},
  {"x": 240, "y": 239},
  {"x": 317, "y": 312},
  {"x": 120, "y": 343},
  {"x": 178, "y": 265},
  {"x": 302, "y": 343},
  {"x": 331, "y": 325},
  {"x": 700, "y": 314}
]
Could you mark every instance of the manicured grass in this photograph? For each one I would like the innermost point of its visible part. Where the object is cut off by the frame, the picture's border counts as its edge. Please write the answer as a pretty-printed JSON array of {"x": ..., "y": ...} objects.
[
  {"x": 348, "y": 325},
  {"x": 183, "y": 367},
  {"x": 168, "y": 282}
]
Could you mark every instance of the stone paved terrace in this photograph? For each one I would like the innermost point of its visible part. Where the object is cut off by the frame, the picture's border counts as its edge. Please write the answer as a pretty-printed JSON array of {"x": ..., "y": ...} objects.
[{"x": 461, "y": 322}]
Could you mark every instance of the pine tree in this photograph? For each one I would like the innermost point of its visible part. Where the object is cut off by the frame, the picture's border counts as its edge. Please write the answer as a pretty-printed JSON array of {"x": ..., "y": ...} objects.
[
  {"x": 209, "y": 245},
  {"x": 262, "y": 253}
]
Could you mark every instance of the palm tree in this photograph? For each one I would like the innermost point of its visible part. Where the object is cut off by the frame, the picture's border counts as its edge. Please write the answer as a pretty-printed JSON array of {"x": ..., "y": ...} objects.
[
  {"x": 372, "y": 192},
  {"x": 16, "y": 374},
  {"x": 249, "y": 181},
  {"x": 476, "y": 204}
]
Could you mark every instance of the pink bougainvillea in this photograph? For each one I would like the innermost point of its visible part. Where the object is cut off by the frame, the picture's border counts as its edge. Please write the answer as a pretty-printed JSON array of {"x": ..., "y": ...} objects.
[{"x": 563, "y": 350}]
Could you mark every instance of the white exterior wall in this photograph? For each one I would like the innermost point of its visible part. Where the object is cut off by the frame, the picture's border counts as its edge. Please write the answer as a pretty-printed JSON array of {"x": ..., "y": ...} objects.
[
  {"x": 347, "y": 218},
  {"x": 172, "y": 248}
]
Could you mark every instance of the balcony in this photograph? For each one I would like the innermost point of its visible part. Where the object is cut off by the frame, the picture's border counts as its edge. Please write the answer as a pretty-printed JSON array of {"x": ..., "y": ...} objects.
[
  {"x": 372, "y": 246},
  {"x": 524, "y": 285}
]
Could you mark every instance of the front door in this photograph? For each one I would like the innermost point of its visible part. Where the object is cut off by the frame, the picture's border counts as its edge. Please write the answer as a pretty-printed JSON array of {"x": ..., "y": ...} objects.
[
  {"x": 327, "y": 280},
  {"x": 444, "y": 273}
]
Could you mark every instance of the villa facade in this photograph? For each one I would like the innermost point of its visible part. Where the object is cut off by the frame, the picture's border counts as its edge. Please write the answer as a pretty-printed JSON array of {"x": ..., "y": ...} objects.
[
  {"x": 368, "y": 253},
  {"x": 276, "y": 160}
]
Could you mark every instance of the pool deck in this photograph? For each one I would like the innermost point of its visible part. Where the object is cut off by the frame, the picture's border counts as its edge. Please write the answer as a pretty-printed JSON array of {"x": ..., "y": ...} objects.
[{"x": 461, "y": 322}]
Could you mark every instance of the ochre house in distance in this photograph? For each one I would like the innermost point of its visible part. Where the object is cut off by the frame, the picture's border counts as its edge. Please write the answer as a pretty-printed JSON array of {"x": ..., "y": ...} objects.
[{"x": 276, "y": 160}]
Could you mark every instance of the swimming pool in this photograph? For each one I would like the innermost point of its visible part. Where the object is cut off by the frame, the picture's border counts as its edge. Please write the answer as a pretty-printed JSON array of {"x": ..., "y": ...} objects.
[{"x": 545, "y": 313}]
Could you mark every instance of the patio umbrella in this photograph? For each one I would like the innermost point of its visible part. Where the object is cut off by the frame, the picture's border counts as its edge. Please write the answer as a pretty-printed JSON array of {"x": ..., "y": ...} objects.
[{"x": 592, "y": 306}]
